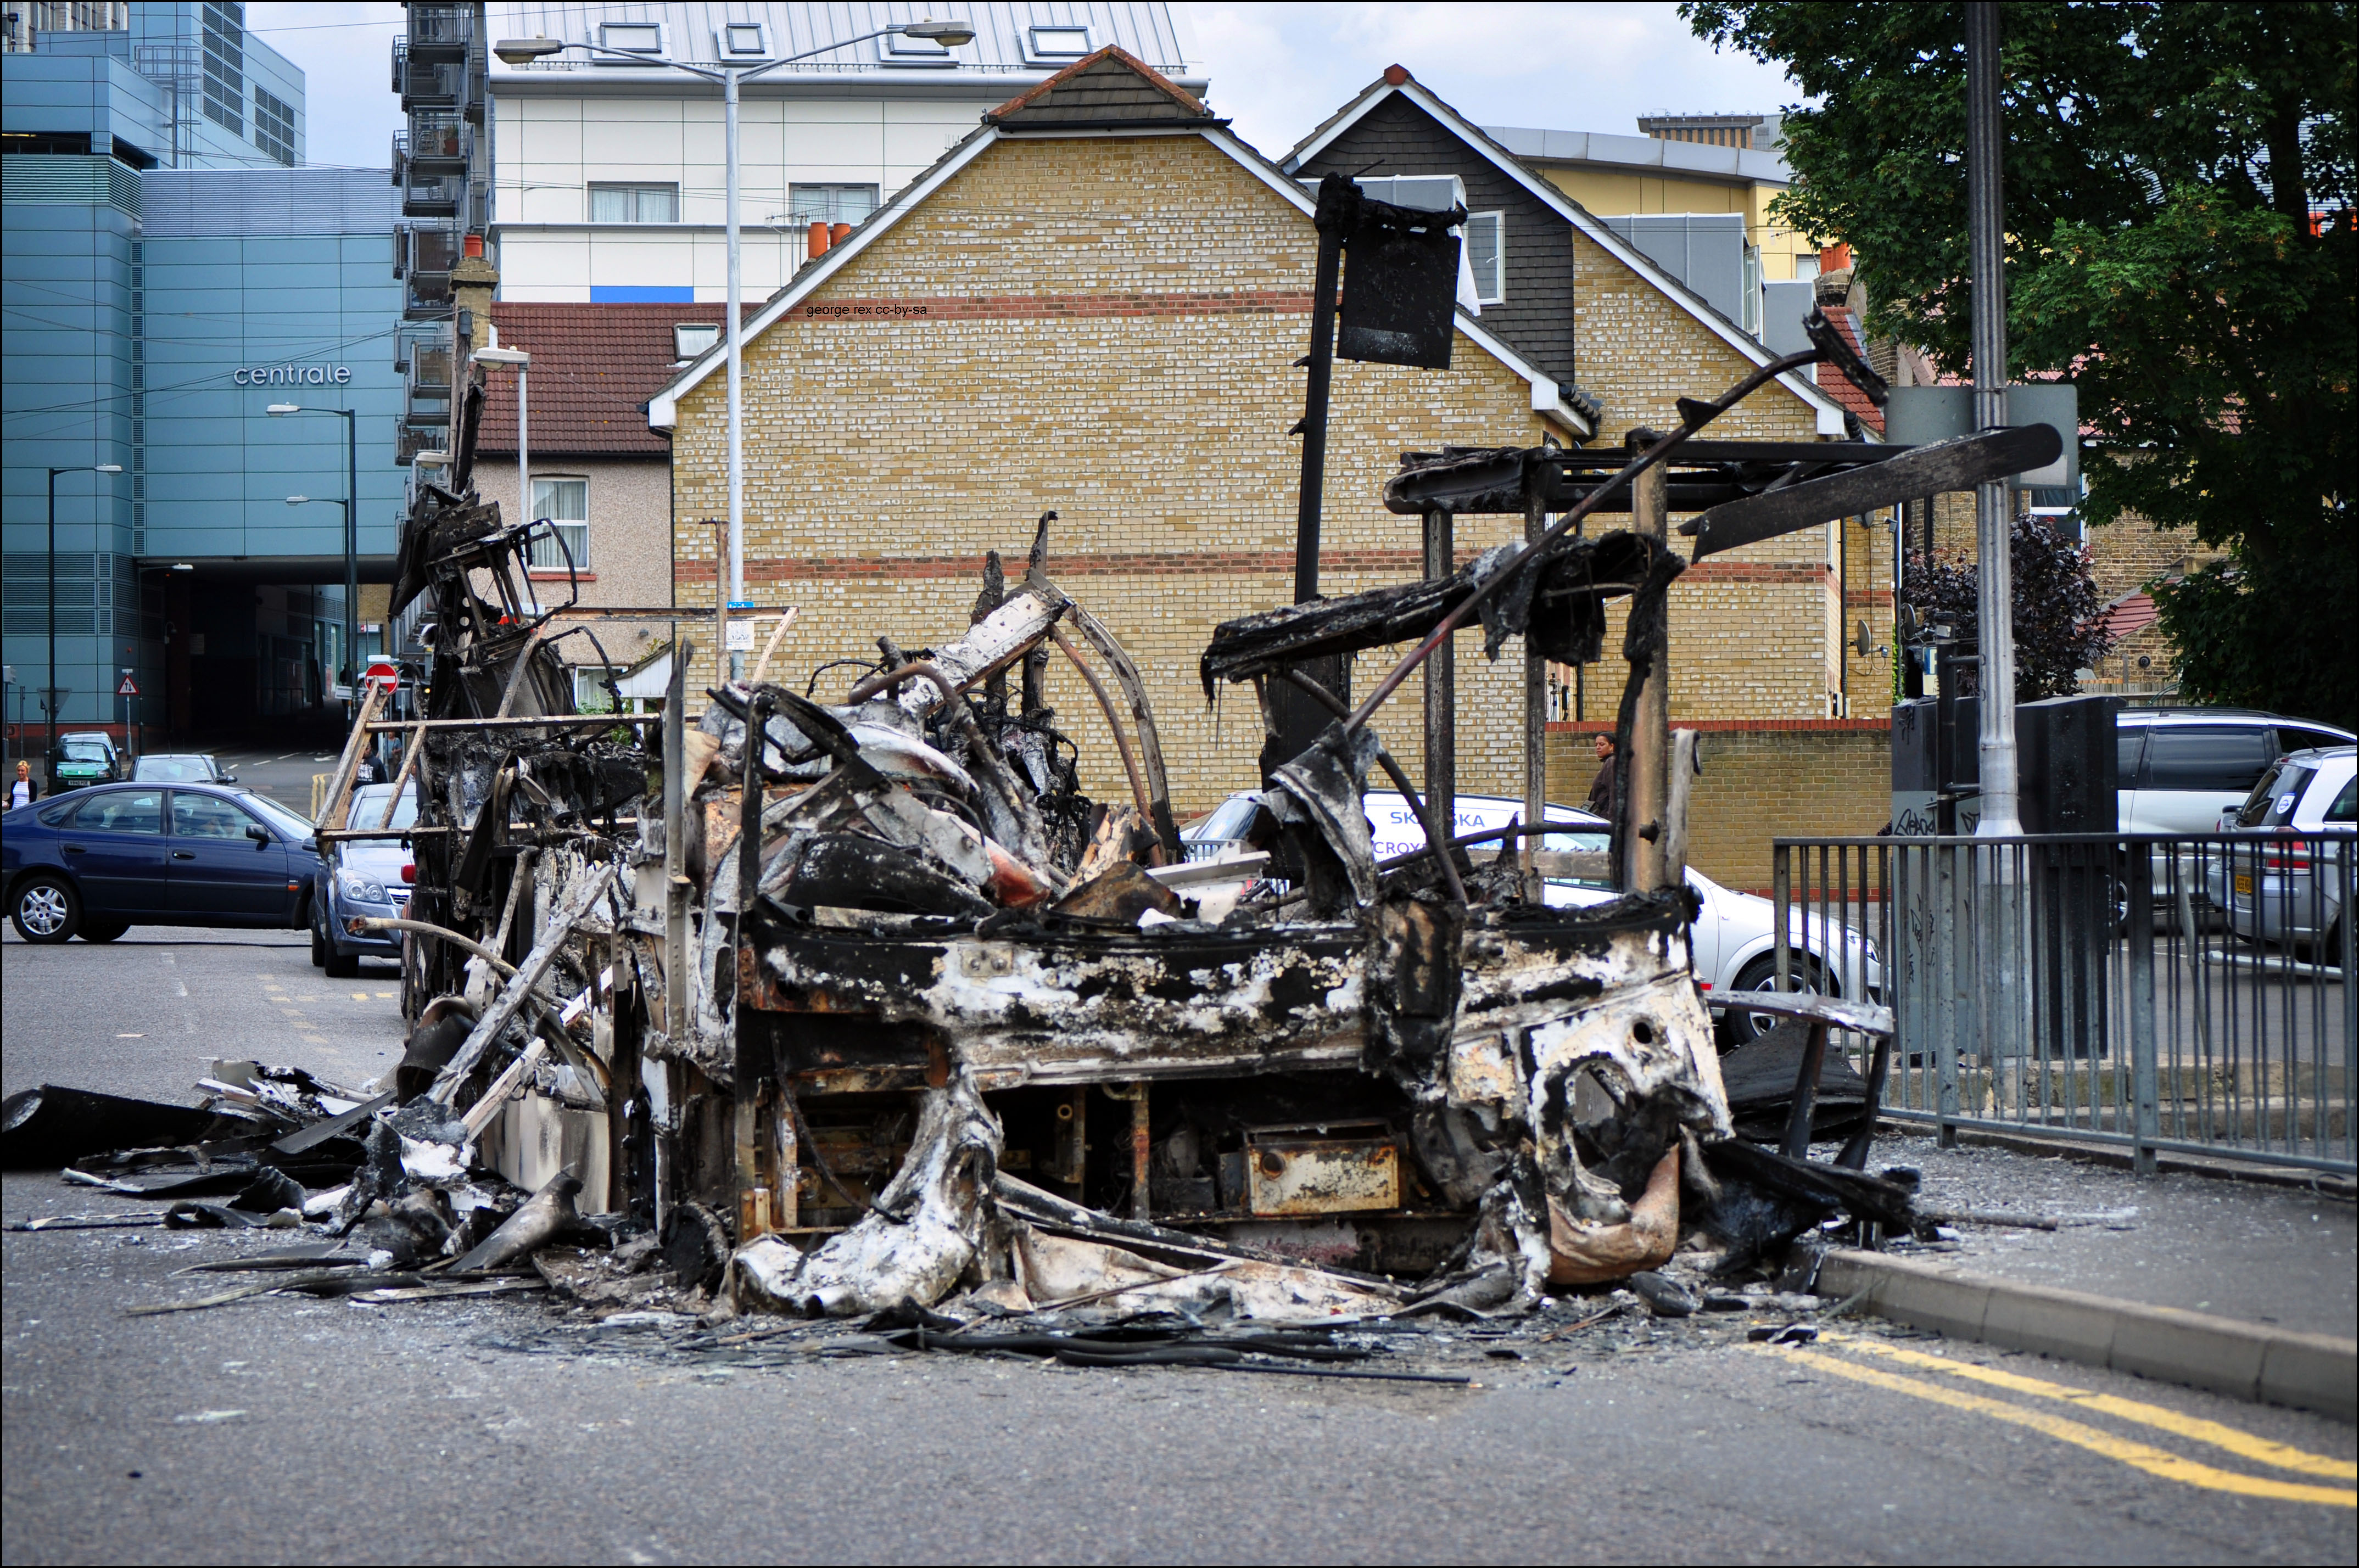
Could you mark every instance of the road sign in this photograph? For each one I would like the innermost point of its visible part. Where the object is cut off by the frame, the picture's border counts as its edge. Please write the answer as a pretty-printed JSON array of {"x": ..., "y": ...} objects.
[
  {"x": 129, "y": 688},
  {"x": 382, "y": 674}
]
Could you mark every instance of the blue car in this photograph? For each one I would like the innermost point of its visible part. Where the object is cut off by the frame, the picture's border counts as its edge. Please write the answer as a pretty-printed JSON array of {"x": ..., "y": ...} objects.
[{"x": 100, "y": 860}]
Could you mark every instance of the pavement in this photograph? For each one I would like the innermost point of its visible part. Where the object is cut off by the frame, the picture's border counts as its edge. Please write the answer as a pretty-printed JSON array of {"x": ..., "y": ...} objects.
[
  {"x": 508, "y": 1429},
  {"x": 2257, "y": 1253}
]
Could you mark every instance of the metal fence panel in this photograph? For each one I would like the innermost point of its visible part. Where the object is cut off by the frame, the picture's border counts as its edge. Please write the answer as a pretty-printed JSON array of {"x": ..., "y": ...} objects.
[{"x": 2181, "y": 993}]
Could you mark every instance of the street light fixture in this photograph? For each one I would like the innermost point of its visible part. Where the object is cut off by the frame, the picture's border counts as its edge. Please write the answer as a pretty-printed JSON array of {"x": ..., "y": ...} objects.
[
  {"x": 352, "y": 527},
  {"x": 50, "y": 700},
  {"x": 525, "y": 51}
]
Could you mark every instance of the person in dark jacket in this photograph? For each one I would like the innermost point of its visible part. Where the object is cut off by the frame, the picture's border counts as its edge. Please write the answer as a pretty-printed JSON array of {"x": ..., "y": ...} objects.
[
  {"x": 1604, "y": 794},
  {"x": 23, "y": 791}
]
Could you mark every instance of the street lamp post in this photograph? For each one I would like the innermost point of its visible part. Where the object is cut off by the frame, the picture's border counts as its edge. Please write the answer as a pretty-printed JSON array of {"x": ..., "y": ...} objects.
[
  {"x": 49, "y": 698},
  {"x": 352, "y": 528},
  {"x": 1994, "y": 525},
  {"x": 524, "y": 51}
]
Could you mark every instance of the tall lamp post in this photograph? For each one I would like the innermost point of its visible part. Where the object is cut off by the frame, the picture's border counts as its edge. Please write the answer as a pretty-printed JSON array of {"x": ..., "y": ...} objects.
[
  {"x": 352, "y": 528},
  {"x": 524, "y": 51},
  {"x": 49, "y": 698}
]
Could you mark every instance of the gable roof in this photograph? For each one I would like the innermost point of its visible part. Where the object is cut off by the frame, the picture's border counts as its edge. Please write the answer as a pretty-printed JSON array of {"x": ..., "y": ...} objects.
[
  {"x": 1397, "y": 81},
  {"x": 1112, "y": 87},
  {"x": 593, "y": 367},
  {"x": 1563, "y": 405}
]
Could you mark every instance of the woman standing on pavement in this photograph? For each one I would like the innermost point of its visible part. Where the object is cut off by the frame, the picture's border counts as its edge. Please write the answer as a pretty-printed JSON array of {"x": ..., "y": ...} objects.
[{"x": 23, "y": 791}]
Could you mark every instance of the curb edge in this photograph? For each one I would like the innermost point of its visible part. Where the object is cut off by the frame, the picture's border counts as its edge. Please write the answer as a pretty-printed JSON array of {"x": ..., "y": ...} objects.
[{"x": 2247, "y": 1361}]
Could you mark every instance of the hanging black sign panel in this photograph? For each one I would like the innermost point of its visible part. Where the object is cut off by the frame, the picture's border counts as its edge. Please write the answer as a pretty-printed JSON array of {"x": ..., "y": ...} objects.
[{"x": 1400, "y": 288}]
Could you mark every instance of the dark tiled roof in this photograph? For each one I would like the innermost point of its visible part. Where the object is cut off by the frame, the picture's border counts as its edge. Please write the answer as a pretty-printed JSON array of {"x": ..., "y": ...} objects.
[
  {"x": 593, "y": 367},
  {"x": 1110, "y": 86},
  {"x": 1832, "y": 381}
]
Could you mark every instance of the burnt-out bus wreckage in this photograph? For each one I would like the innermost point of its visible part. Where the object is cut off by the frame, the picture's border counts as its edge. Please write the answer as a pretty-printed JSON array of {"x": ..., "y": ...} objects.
[{"x": 852, "y": 1000}]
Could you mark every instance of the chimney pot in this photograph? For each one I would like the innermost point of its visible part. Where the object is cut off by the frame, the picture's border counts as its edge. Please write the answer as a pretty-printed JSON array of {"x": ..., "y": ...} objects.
[
  {"x": 474, "y": 245},
  {"x": 820, "y": 240}
]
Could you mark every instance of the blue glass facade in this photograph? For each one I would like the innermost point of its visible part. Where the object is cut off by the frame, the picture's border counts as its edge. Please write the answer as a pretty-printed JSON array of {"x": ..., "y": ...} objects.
[{"x": 153, "y": 314}]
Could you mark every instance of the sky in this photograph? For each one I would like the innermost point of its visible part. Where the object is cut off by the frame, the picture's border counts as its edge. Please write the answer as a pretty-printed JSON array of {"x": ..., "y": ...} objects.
[{"x": 1275, "y": 69}]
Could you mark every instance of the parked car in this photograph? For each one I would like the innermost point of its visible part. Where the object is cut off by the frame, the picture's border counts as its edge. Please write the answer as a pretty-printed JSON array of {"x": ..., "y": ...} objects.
[
  {"x": 364, "y": 878},
  {"x": 84, "y": 758},
  {"x": 2182, "y": 768},
  {"x": 2286, "y": 886},
  {"x": 102, "y": 860},
  {"x": 179, "y": 767},
  {"x": 1734, "y": 937}
]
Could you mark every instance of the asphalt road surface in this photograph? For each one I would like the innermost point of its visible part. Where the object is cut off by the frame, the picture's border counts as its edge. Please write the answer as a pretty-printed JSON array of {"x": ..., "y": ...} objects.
[{"x": 281, "y": 1428}]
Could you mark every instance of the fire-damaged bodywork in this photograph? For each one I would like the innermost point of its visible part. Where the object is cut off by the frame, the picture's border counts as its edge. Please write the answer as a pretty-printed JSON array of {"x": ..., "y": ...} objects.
[{"x": 863, "y": 1004}]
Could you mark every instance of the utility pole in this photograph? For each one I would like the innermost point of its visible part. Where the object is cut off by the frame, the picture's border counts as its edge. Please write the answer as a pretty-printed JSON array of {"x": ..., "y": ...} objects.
[{"x": 1994, "y": 525}]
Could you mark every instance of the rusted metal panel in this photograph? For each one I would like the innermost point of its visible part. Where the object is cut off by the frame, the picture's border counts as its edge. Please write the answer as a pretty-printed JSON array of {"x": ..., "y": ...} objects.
[{"x": 1312, "y": 1170}]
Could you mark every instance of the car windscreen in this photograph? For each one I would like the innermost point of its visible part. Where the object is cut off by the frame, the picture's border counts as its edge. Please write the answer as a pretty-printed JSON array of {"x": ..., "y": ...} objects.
[
  {"x": 172, "y": 770},
  {"x": 1229, "y": 820},
  {"x": 368, "y": 814},
  {"x": 2274, "y": 798},
  {"x": 296, "y": 828},
  {"x": 83, "y": 751}
]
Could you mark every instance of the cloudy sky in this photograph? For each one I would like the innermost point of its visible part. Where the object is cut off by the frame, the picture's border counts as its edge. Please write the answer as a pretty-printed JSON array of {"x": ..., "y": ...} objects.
[{"x": 1275, "y": 69}]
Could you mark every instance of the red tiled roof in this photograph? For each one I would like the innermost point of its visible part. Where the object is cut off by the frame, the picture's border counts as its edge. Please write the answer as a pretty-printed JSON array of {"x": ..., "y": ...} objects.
[
  {"x": 2131, "y": 613},
  {"x": 1832, "y": 380},
  {"x": 592, "y": 367}
]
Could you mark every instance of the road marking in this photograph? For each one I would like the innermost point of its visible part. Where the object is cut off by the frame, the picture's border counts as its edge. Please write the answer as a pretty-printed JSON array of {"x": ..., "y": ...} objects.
[
  {"x": 2137, "y": 1456},
  {"x": 2244, "y": 1444},
  {"x": 362, "y": 996}
]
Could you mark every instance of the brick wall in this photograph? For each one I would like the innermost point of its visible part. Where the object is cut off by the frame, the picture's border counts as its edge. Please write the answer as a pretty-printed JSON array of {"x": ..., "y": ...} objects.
[
  {"x": 1107, "y": 328},
  {"x": 1761, "y": 780}
]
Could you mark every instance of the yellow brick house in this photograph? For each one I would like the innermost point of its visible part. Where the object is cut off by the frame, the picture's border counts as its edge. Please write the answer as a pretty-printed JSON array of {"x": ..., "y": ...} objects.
[{"x": 1094, "y": 304}]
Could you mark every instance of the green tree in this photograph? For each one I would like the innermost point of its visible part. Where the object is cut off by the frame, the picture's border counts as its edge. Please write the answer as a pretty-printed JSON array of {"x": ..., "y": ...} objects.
[{"x": 2180, "y": 183}]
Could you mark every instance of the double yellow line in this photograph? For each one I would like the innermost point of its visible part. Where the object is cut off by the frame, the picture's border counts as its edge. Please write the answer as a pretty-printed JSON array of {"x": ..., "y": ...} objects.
[{"x": 2137, "y": 1455}]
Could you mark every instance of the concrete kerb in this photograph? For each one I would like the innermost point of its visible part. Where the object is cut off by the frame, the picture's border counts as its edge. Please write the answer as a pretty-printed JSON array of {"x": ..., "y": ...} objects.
[{"x": 2249, "y": 1361}]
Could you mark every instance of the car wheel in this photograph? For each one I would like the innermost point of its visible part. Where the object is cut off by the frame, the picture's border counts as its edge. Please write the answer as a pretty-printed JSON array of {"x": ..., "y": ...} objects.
[
  {"x": 103, "y": 930},
  {"x": 1761, "y": 975},
  {"x": 318, "y": 947},
  {"x": 342, "y": 966},
  {"x": 46, "y": 909}
]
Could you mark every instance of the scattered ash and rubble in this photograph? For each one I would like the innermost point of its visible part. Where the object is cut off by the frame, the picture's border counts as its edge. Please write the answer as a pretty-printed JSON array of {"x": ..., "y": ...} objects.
[{"x": 850, "y": 1004}]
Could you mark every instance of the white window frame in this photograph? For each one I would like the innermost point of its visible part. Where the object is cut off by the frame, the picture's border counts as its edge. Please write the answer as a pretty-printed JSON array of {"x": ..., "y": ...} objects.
[
  {"x": 875, "y": 194},
  {"x": 761, "y": 49},
  {"x": 900, "y": 48},
  {"x": 711, "y": 330},
  {"x": 590, "y": 695},
  {"x": 1041, "y": 54},
  {"x": 636, "y": 189},
  {"x": 547, "y": 556},
  {"x": 1498, "y": 220},
  {"x": 608, "y": 32}
]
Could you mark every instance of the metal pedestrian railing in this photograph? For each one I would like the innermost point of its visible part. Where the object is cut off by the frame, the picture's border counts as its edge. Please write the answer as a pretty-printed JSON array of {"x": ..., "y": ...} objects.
[{"x": 2184, "y": 993}]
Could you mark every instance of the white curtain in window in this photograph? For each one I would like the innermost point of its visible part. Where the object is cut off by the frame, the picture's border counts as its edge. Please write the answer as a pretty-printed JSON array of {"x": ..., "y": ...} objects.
[{"x": 565, "y": 502}]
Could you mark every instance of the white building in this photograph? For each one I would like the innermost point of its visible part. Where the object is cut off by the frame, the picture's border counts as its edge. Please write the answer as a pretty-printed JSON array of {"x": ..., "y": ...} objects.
[{"x": 608, "y": 176}]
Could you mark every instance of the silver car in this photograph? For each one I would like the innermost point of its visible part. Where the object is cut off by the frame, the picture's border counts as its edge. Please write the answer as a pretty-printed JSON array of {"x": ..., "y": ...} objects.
[
  {"x": 364, "y": 878},
  {"x": 2287, "y": 884}
]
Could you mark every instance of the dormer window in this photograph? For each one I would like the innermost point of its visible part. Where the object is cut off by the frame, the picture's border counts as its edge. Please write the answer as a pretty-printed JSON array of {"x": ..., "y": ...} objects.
[
  {"x": 1046, "y": 44},
  {"x": 690, "y": 339},
  {"x": 632, "y": 38},
  {"x": 744, "y": 40}
]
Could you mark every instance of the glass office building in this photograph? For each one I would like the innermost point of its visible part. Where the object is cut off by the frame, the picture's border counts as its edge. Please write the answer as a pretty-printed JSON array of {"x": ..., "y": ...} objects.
[{"x": 170, "y": 272}]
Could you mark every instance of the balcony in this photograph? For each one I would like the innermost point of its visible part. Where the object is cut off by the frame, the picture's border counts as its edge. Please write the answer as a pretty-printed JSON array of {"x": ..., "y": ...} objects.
[
  {"x": 437, "y": 84},
  {"x": 441, "y": 140},
  {"x": 423, "y": 255},
  {"x": 426, "y": 377},
  {"x": 426, "y": 194},
  {"x": 408, "y": 440},
  {"x": 440, "y": 30}
]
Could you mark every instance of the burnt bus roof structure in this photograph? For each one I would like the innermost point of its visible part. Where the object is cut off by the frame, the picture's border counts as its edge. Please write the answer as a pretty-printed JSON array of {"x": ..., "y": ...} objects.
[{"x": 862, "y": 1004}]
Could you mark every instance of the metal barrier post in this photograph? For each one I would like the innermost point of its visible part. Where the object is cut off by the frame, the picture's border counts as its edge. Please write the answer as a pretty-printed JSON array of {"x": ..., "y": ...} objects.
[
  {"x": 1781, "y": 896},
  {"x": 2147, "y": 1125}
]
